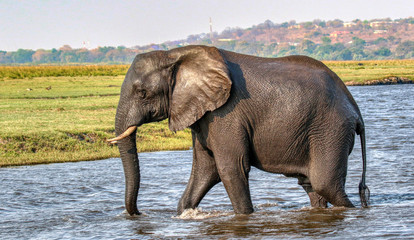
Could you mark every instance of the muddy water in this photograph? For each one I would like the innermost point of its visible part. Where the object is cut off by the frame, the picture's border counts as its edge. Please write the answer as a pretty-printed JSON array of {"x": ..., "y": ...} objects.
[{"x": 85, "y": 200}]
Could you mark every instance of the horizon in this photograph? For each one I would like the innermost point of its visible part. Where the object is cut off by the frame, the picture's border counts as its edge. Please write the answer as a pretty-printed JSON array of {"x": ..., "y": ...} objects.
[{"x": 47, "y": 24}]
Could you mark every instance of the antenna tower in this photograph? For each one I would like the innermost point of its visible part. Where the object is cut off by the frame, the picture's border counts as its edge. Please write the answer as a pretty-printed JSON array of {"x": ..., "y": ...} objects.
[{"x": 211, "y": 31}]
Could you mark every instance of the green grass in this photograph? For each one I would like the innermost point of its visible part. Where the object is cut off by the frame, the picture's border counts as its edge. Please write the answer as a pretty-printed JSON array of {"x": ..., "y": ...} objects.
[
  {"x": 69, "y": 122},
  {"x": 361, "y": 71},
  {"x": 21, "y": 72},
  {"x": 48, "y": 114},
  {"x": 60, "y": 87}
]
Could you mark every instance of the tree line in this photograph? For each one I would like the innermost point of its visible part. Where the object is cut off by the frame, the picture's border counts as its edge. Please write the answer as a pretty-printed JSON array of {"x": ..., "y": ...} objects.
[
  {"x": 323, "y": 40},
  {"x": 66, "y": 55},
  {"x": 324, "y": 51}
]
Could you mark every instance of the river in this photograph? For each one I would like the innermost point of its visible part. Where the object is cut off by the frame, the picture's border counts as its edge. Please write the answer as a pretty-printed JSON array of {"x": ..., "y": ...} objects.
[{"x": 85, "y": 200}]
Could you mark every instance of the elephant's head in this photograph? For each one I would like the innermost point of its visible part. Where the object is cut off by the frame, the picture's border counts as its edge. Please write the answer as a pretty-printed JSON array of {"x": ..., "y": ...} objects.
[{"x": 181, "y": 85}]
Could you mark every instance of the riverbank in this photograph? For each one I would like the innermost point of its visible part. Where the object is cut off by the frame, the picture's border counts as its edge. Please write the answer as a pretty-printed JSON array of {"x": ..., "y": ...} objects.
[
  {"x": 385, "y": 81},
  {"x": 64, "y": 118}
]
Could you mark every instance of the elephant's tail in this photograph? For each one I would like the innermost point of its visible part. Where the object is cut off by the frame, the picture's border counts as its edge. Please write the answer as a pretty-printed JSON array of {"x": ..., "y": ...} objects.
[{"x": 364, "y": 192}]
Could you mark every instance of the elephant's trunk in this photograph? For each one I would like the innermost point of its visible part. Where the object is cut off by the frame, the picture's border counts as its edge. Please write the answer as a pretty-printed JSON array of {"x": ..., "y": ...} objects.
[
  {"x": 129, "y": 156},
  {"x": 128, "y": 150}
]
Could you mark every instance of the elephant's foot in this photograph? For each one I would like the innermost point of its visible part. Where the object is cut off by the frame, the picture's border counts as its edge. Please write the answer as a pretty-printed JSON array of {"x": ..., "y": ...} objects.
[
  {"x": 317, "y": 201},
  {"x": 244, "y": 211},
  {"x": 181, "y": 208}
]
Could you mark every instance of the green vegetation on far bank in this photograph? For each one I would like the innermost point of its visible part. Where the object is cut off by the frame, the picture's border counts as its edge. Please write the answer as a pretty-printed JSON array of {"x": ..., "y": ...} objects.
[
  {"x": 21, "y": 72},
  {"x": 67, "y": 117},
  {"x": 363, "y": 72}
]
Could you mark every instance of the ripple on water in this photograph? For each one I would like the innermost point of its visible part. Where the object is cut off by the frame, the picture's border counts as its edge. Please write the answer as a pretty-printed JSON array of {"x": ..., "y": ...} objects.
[{"x": 85, "y": 200}]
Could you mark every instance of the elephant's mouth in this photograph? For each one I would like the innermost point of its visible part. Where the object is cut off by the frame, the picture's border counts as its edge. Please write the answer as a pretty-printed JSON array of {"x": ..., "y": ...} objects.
[{"x": 125, "y": 134}]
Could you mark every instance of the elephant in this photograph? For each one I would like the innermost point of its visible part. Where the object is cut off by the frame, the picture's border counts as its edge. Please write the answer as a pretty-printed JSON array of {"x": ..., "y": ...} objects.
[{"x": 289, "y": 115}]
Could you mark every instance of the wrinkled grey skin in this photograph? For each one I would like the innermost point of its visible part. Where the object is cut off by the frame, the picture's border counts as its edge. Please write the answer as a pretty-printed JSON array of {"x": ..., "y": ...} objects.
[{"x": 288, "y": 115}]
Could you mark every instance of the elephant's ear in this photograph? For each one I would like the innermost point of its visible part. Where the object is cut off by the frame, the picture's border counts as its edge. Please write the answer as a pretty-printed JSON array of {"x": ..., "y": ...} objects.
[{"x": 200, "y": 83}]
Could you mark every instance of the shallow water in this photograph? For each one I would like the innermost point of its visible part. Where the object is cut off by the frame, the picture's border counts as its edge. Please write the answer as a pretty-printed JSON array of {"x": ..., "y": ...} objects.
[{"x": 85, "y": 200}]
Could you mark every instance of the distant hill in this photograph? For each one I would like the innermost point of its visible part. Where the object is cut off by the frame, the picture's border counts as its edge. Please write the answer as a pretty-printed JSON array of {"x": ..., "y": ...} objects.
[{"x": 323, "y": 40}]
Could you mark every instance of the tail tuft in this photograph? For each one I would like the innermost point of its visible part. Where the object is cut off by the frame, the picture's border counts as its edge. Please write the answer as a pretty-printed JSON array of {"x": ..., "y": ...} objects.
[{"x": 364, "y": 194}]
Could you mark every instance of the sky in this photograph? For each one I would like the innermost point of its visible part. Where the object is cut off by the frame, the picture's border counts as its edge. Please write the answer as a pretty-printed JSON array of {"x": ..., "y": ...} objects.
[{"x": 47, "y": 24}]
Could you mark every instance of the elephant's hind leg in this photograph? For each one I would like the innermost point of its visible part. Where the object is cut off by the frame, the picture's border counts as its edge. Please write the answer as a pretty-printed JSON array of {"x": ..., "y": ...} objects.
[
  {"x": 328, "y": 175},
  {"x": 329, "y": 162},
  {"x": 317, "y": 201}
]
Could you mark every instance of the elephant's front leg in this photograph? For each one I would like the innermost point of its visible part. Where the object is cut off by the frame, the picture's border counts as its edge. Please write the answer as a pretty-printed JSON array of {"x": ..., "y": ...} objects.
[
  {"x": 204, "y": 176},
  {"x": 234, "y": 170}
]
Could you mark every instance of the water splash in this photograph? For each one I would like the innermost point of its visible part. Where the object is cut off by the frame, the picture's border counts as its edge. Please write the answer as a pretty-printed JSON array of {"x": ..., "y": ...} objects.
[{"x": 199, "y": 214}]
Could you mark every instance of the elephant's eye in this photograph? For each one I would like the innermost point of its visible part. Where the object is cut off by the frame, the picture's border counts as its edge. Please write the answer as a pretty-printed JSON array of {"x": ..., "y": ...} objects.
[{"x": 142, "y": 93}]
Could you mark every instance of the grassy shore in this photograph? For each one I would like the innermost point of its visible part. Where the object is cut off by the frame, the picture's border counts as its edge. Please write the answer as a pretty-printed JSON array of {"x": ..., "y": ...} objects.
[
  {"x": 68, "y": 118},
  {"x": 21, "y": 72},
  {"x": 60, "y": 114},
  {"x": 368, "y": 72}
]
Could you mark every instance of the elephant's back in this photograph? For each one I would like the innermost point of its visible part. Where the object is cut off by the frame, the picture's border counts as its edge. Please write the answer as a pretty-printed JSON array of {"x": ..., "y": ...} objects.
[{"x": 288, "y": 83}]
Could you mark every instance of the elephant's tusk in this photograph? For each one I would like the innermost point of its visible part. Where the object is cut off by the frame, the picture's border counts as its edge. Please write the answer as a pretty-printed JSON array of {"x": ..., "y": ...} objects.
[{"x": 125, "y": 134}]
